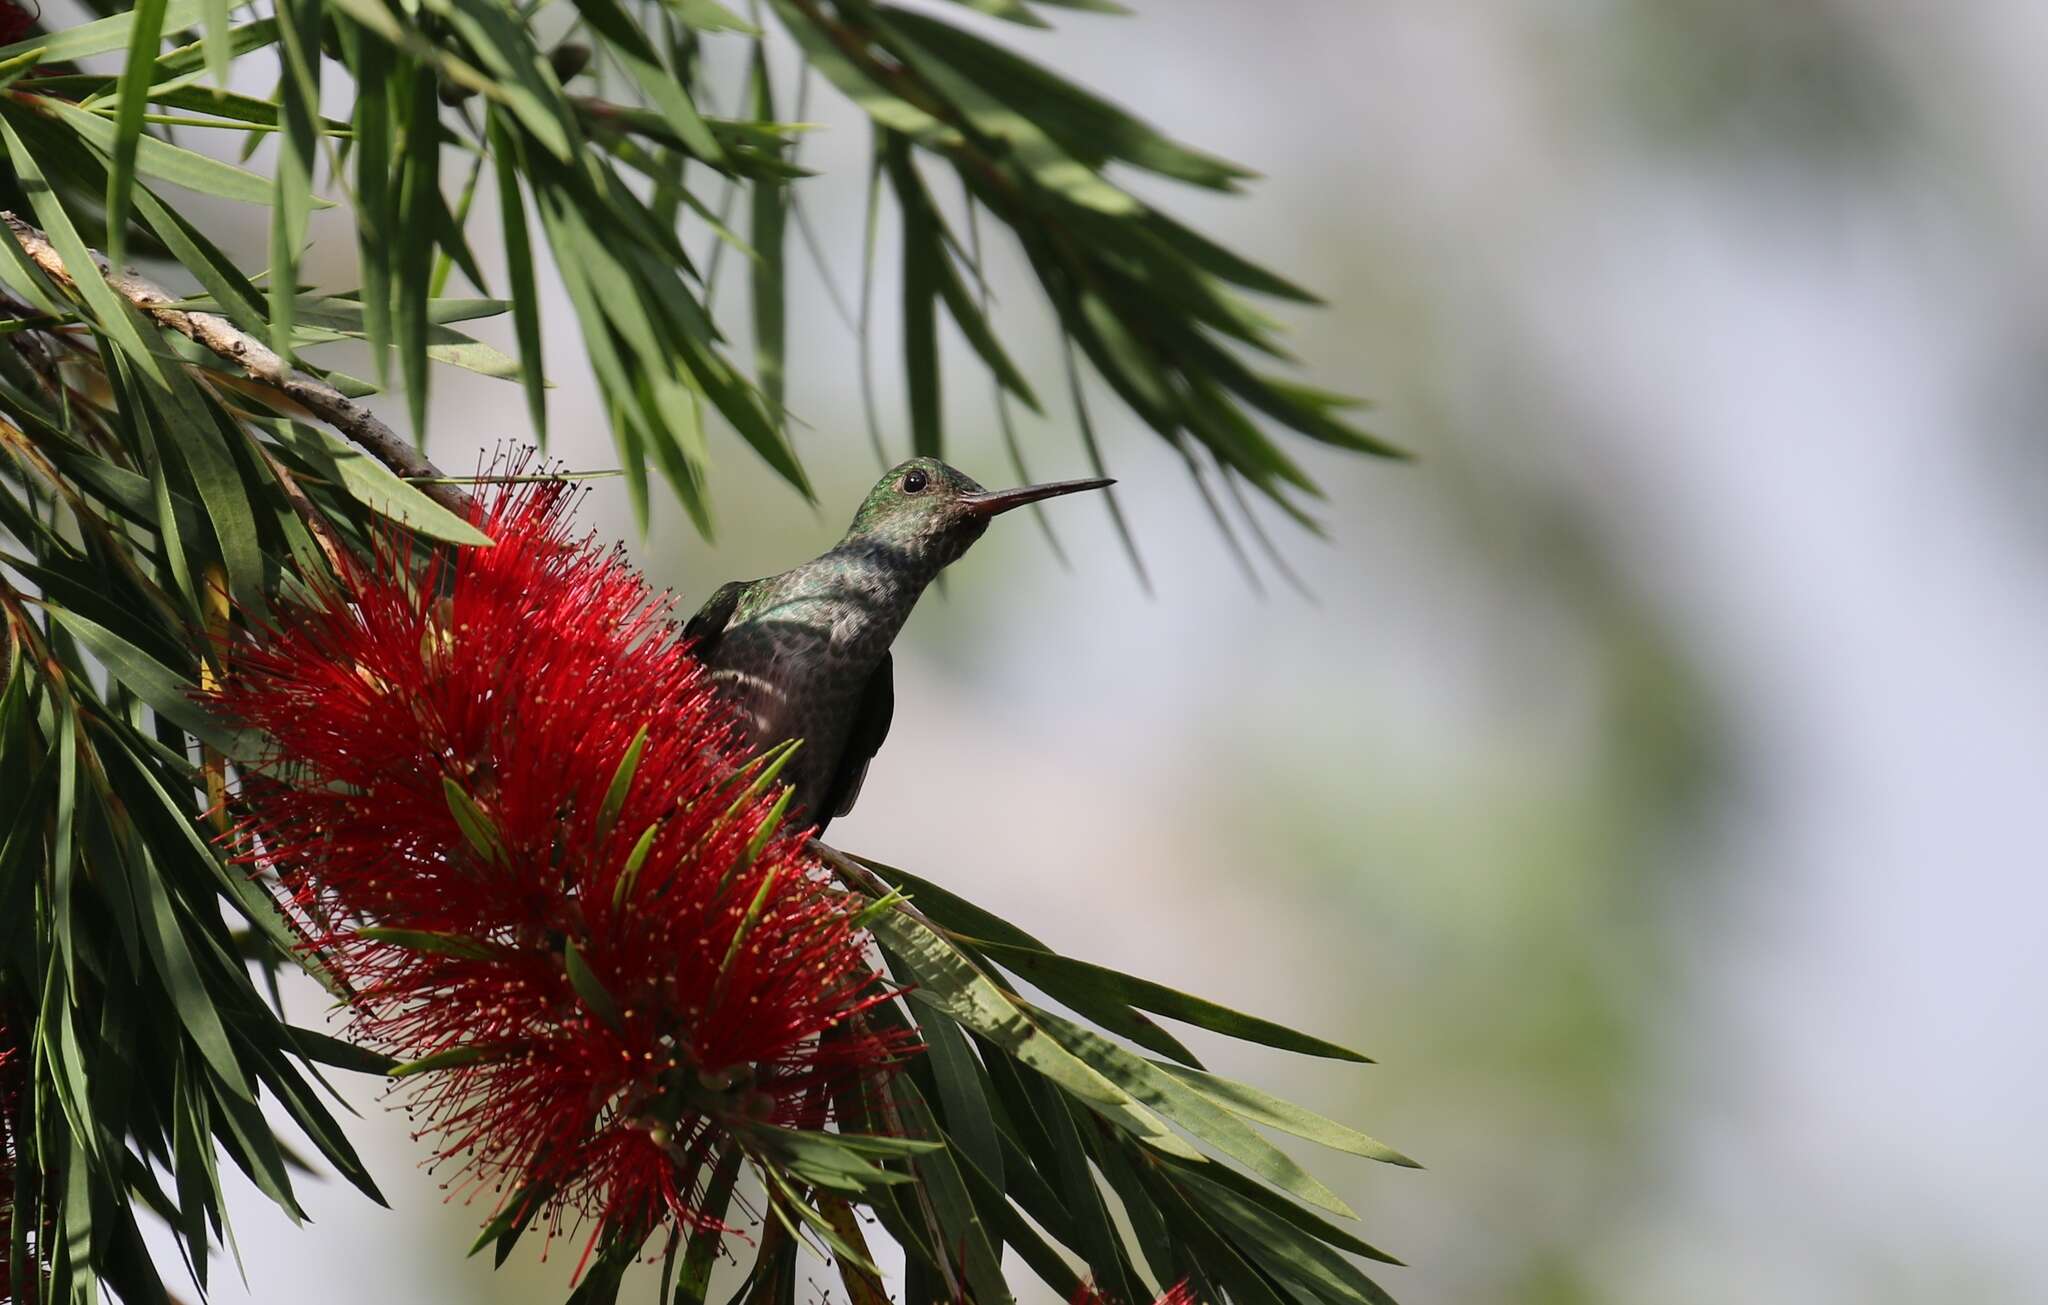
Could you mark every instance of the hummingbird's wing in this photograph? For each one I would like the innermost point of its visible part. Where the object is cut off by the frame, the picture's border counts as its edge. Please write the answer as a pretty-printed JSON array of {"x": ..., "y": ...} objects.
[
  {"x": 871, "y": 719},
  {"x": 707, "y": 627}
]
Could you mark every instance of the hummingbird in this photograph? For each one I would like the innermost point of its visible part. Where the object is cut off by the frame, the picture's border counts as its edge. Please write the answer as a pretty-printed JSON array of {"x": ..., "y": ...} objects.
[{"x": 805, "y": 654}]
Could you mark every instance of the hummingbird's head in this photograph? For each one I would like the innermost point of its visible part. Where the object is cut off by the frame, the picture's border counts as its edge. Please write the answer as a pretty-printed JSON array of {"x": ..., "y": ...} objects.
[{"x": 934, "y": 513}]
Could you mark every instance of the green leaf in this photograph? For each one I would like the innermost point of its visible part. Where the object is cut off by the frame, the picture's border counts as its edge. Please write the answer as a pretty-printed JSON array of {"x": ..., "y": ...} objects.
[
  {"x": 85, "y": 589},
  {"x": 298, "y": 29},
  {"x": 1214, "y": 259},
  {"x": 1085, "y": 126},
  {"x": 100, "y": 37},
  {"x": 224, "y": 282},
  {"x": 838, "y": 1162},
  {"x": 1015, "y": 11},
  {"x": 709, "y": 16},
  {"x": 180, "y": 67},
  {"x": 1090, "y": 6},
  {"x": 326, "y": 1050},
  {"x": 170, "y": 694},
  {"x": 190, "y": 421},
  {"x": 622, "y": 784},
  {"x": 629, "y": 874},
  {"x": 1025, "y": 138},
  {"x": 419, "y": 203},
  {"x": 1281, "y": 1251},
  {"x": 115, "y": 317},
  {"x": 768, "y": 206},
  {"x": 975, "y": 327},
  {"x": 143, "y": 40},
  {"x": 522, "y": 76},
  {"x": 201, "y": 434},
  {"x": 1033, "y": 964},
  {"x": 510, "y": 1223},
  {"x": 1094, "y": 449},
  {"x": 665, "y": 91},
  {"x": 476, "y": 827},
  {"x": 963, "y": 917},
  {"x": 519, "y": 271},
  {"x": 449, "y": 1059},
  {"x": 1097, "y": 1237},
  {"x": 757, "y": 907},
  {"x": 949, "y": 983},
  {"x": 590, "y": 988},
  {"x": 63, "y": 846},
  {"x": 455, "y": 249},
  {"x": 1222, "y": 1259},
  {"x": 165, "y": 934},
  {"x": 963, "y": 1095},
  {"x": 1251, "y": 1189},
  {"x": 966, "y": 1236},
  {"x": 1264, "y": 1108},
  {"x": 168, "y": 821},
  {"x": 888, "y": 109},
  {"x": 372, "y": 61},
  {"x": 1168, "y": 1260},
  {"x": 705, "y": 1239},
  {"x": 1193, "y": 1111},
  {"x": 1032, "y": 1248},
  {"x": 374, "y": 485},
  {"x": 923, "y": 255},
  {"x": 163, "y": 160},
  {"x": 218, "y": 40},
  {"x": 422, "y": 940}
]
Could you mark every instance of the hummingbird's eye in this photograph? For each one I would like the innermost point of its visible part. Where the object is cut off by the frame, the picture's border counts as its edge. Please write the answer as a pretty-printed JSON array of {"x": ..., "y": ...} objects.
[{"x": 914, "y": 481}]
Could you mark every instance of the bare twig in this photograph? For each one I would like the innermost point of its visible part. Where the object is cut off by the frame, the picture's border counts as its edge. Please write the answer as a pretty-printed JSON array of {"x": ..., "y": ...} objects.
[{"x": 261, "y": 362}]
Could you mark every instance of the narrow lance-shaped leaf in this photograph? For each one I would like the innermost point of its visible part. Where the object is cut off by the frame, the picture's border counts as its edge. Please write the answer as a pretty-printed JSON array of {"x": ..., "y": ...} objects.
[
  {"x": 524, "y": 289},
  {"x": 298, "y": 25},
  {"x": 769, "y": 208},
  {"x": 102, "y": 36},
  {"x": 420, "y": 200},
  {"x": 143, "y": 40},
  {"x": 962, "y": 1094},
  {"x": 164, "y": 161},
  {"x": 629, "y": 44},
  {"x": 374, "y": 485},
  {"x": 922, "y": 254},
  {"x": 218, "y": 40},
  {"x": 1265, "y": 1108},
  {"x": 164, "y": 689},
  {"x": 372, "y": 62},
  {"x": 1162, "y": 1000},
  {"x": 948, "y": 981},
  {"x": 694, "y": 1281},
  {"x": 967, "y": 1237},
  {"x": 1193, "y": 1111}
]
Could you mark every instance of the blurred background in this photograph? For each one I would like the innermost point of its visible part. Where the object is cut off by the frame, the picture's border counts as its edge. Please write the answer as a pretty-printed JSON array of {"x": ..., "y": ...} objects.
[{"x": 1652, "y": 783}]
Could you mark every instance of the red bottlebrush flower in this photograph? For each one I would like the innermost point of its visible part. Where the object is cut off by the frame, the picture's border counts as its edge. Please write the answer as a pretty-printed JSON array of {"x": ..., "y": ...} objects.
[
  {"x": 1087, "y": 1294},
  {"x": 516, "y": 822}
]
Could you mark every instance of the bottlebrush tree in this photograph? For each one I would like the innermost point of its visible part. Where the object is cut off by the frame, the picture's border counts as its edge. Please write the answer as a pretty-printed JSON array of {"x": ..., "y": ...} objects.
[{"x": 277, "y": 694}]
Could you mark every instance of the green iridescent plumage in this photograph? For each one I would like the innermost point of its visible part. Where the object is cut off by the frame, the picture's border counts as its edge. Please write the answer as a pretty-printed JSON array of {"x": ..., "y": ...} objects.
[{"x": 805, "y": 654}]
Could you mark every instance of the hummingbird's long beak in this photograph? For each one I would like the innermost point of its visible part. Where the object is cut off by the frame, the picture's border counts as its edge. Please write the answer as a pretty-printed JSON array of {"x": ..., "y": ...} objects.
[{"x": 990, "y": 502}]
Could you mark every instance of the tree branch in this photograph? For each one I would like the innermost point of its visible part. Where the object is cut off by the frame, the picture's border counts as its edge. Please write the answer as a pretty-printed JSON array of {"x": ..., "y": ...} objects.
[{"x": 260, "y": 361}]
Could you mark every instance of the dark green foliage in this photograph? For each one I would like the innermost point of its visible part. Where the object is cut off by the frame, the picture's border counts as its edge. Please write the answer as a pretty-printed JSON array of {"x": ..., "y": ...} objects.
[{"x": 1046, "y": 1121}]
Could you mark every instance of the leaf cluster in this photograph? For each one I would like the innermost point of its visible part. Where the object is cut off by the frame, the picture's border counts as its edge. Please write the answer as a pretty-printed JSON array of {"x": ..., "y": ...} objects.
[{"x": 1064, "y": 1144}]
